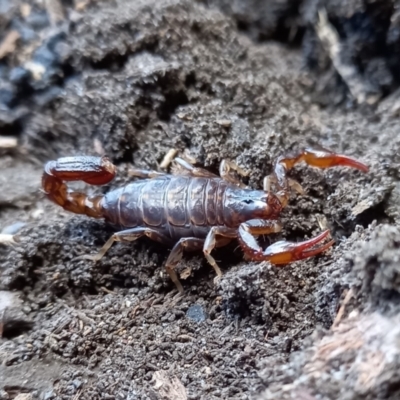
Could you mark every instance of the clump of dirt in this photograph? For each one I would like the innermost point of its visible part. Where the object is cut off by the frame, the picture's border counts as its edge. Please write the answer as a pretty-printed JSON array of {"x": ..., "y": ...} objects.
[
  {"x": 133, "y": 80},
  {"x": 351, "y": 47},
  {"x": 356, "y": 360}
]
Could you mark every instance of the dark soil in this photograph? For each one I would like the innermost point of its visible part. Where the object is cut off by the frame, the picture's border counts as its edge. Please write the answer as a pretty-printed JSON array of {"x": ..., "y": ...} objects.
[{"x": 135, "y": 79}]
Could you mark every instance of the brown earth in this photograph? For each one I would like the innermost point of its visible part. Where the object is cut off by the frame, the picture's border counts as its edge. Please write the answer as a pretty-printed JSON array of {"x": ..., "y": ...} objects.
[{"x": 134, "y": 79}]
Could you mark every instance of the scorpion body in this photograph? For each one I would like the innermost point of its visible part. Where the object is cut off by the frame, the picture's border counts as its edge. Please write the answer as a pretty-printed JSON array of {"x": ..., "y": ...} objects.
[
  {"x": 192, "y": 210},
  {"x": 182, "y": 206}
]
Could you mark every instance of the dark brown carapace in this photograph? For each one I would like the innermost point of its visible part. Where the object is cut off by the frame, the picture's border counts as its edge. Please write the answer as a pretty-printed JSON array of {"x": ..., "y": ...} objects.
[{"x": 194, "y": 209}]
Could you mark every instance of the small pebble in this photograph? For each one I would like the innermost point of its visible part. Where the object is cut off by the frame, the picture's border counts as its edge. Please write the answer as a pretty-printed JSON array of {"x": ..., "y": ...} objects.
[
  {"x": 13, "y": 228},
  {"x": 196, "y": 313},
  {"x": 77, "y": 383}
]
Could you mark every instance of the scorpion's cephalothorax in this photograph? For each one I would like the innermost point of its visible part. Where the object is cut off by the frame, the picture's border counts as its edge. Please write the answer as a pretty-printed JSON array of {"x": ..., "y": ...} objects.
[{"x": 241, "y": 205}]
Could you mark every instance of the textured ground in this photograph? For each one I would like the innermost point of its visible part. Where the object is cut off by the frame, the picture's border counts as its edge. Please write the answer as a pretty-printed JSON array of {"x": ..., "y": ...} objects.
[{"x": 135, "y": 79}]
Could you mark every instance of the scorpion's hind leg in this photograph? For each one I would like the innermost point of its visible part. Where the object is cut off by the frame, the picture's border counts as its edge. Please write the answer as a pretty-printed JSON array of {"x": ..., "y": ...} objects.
[
  {"x": 187, "y": 244},
  {"x": 184, "y": 168},
  {"x": 128, "y": 235},
  {"x": 225, "y": 170},
  {"x": 282, "y": 252}
]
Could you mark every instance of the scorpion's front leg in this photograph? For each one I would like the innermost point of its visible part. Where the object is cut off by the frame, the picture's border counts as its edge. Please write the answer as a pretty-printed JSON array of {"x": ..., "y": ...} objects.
[
  {"x": 218, "y": 236},
  {"x": 282, "y": 252},
  {"x": 128, "y": 235}
]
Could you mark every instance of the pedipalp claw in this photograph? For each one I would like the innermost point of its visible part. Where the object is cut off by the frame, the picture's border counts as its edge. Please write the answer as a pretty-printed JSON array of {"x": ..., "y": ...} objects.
[
  {"x": 284, "y": 252},
  {"x": 328, "y": 159}
]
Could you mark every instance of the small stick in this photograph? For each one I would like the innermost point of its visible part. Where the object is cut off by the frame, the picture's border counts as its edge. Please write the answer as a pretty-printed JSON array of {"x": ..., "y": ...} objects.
[
  {"x": 8, "y": 142},
  {"x": 342, "y": 308},
  {"x": 55, "y": 10},
  {"x": 8, "y": 44}
]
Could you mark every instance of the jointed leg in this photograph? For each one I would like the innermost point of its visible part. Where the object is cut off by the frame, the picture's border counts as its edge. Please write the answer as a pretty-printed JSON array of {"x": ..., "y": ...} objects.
[
  {"x": 188, "y": 244},
  {"x": 128, "y": 235},
  {"x": 189, "y": 169},
  {"x": 145, "y": 173},
  {"x": 260, "y": 227},
  {"x": 271, "y": 179},
  {"x": 225, "y": 170},
  {"x": 213, "y": 241}
]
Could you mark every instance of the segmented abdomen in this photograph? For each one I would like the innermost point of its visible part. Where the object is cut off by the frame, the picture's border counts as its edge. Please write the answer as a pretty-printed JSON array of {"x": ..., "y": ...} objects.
[{"x": 177, "y": 206}]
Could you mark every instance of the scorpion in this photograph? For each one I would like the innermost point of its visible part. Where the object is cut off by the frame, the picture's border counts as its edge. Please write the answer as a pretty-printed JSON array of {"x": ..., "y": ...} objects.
[{"x": 192, "y": 209}]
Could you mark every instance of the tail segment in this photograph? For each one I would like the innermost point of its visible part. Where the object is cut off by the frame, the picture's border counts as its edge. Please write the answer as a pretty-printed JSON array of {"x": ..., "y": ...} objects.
[{"x": 92, "y": 170}]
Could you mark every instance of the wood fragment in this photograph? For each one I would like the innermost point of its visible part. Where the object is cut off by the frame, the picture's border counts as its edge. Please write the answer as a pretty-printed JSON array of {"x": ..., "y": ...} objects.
[
  {"x": 360, "y": 207},
  {"x": 77, "y": 395},
  {"x": 55, "y": 10},
  {"x": 342, "y": 308},
  {"x": 80, "y": 5},
  {"x": 8, "y": 142},
  {"x": 184, "y": 116},
  {"x": 104, "y": 289},
  {"x": 1, "y": 323},
  {"x": 186, "y": 273},
  {"x": 98, "y": 147},
  {"x": 23, "y": 396},
  {"x": 168, "y": 386},
  {"x": 330, "y": 39},
  {"x": 322, "y": 222},
  {"x": 225, "y": 123},
  {"x": 135, "y": 311},
  {"x": 185, "y": 338},
  {"x": 25, "y": 10},
  {"x": 8, "y": 44}
]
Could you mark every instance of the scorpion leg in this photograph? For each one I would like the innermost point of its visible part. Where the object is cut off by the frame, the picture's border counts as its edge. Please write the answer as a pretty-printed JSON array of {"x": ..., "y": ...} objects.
[
  {"x": 225, "y": 170},
  {"x": 261, "y": 227},
  {"x": 189, "y": 169},
  {"x": 271, "y": 179},
  {"x": 282, "y": 252},
  {"x": 128, "y": 235},
  {"x": 212, "y": 241},
  {"x": 145, "y": 173},
  {"x": 188, "y": 244}
]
